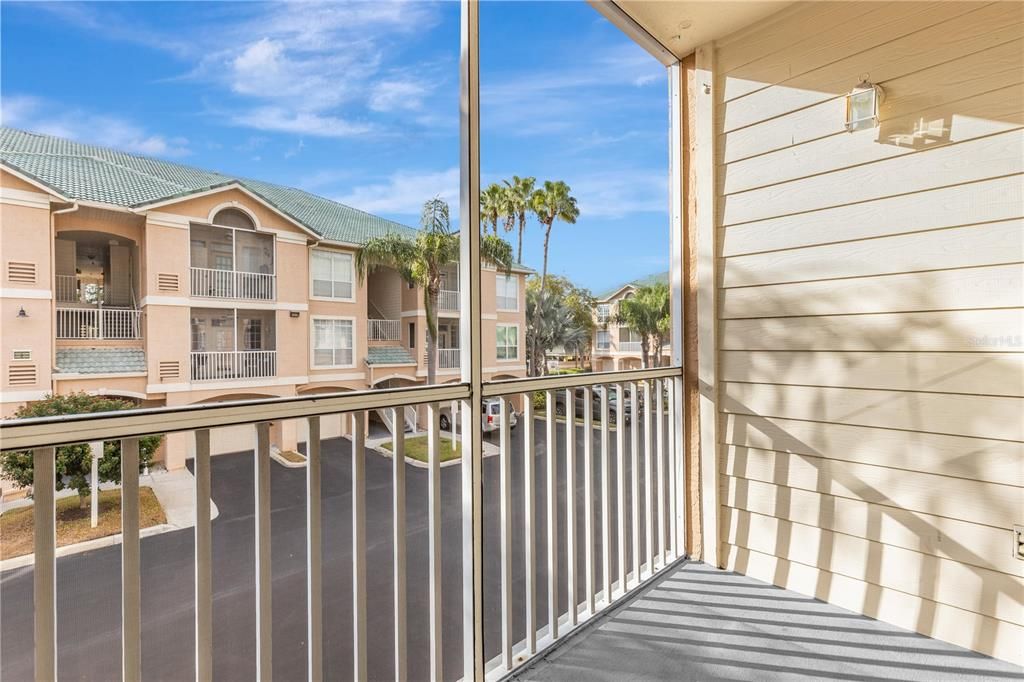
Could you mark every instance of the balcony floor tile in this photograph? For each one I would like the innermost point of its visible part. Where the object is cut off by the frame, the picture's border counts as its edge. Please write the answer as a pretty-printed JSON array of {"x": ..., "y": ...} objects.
[{"x": 701, "y": 623}]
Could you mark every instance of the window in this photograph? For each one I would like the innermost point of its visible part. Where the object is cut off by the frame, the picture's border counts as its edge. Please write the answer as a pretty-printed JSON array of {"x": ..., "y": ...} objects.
[
  {"x": 604, "y": 311},
  {"x": 332, "y": 342},
  {"x": 332, "y": 274},
  {"x": 233, "y": 217},
  {"x": 412, "y": 335},
  {"x": 604, "y": 339},
  {"x": 508, "y": 342},
  {"x": 508, "y": 292}
]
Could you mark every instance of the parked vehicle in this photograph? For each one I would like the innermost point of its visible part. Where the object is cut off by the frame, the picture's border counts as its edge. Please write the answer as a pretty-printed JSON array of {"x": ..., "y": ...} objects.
[
  {"x": 490, "y": 418},
  {"x": 595, "y": 406}
]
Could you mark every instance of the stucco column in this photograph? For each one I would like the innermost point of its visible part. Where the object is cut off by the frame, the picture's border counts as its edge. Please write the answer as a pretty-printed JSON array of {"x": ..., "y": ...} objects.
[{"x": 177, "y": 448}]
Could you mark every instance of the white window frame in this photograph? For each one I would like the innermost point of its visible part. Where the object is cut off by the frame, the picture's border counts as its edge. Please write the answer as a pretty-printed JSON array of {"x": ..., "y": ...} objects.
[
  {"x": 597, "y": 340},
  {"x": 496, "y": 346},
  {"x": 514, "y": 279},
  {"x": 312, "y": 341},
  {"x": 352, "y": 274}
]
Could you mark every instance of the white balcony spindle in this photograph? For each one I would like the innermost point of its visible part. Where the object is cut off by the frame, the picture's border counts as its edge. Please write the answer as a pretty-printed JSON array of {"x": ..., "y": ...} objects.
[
  {"x": 398, "y": 514},
  {"x": 359, "y": 545},
  {"x": 634, "y": 442},
  {"x": 606, "y": 493},
  {"x": 131, "y": 564},
  {"x": 529, "y": 529},
  {"x": 204, "y": 560},
  {"x": 571, "y": 546},
  {"x": 434, "y": 524},
  {"x": 674, "y": 450},
  {"x": 551, "y": 460},
  {"x": 648, "y": 487},
  {"x": 505, "y": 485},
  {"x": 44, "y": 577},
  {"x": 264, "y": 647},
  {"x": 620, "y": 482},
  {"x": 588, "y": 496},
  {"x": 314, "y": 555},
  {"x": 659, "y": 432}
]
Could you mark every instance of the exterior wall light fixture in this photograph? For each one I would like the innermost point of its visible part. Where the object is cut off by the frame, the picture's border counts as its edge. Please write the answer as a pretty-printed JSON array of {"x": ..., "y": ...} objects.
[
  {"x": 862, "y": 106},
  {"x": 22, "y": 313}
]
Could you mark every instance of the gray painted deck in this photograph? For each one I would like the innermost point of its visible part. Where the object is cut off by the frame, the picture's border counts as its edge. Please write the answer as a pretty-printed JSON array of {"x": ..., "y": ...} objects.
[{"x": 700, "y": 623}]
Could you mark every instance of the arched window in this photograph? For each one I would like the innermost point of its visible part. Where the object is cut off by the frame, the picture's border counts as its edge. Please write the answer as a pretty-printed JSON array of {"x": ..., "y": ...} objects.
[{"x": 233, "y": 217}]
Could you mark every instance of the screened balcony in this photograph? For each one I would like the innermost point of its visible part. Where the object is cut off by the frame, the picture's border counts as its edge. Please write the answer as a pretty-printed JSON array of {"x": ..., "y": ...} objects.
[
  {"x": 232, "y": 262},
  {"x": 232, "y": 344}
]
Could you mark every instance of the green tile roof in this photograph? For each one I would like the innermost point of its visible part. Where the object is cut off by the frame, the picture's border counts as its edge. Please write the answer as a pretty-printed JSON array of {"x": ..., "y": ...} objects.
[
  {"x": 646, "y": 281},
  {"x": 388, "y": 355},
  {"x": 90, "y": 173},
  {"x": 100, "y": 360}
]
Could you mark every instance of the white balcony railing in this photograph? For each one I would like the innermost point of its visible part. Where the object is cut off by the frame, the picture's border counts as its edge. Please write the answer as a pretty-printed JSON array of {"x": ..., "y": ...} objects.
[
  {"x": 629, "y": 346},
  {"x": 253, "y": 286},
  {"x": 608, "y": 546},
  {"x": 448, "y": 300},
  {"x": 448, "y": 358},
  {"x": 98, "y": 323},
  {"x": 384, "y": 330},
  {"x": 240, "y": 364}
]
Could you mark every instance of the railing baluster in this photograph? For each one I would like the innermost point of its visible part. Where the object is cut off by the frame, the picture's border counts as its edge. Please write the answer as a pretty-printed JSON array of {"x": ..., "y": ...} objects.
[
  {"x": 606, "y": 493},
  {"x": 634, "y": 442},
  {"x": 398, "y": 513},
  {"x": 588, "y": 494},
  {"x": 314, "y": 555},
  {"x": 434, "y": 520},
  {"x": 620, "y": 481},
  {"x": 131, "y": 565},
  {"x": 552, "y": 515},
  {"x": 204, "y": 560},
  {"x": 263, "y": 565},
  {"x": 675, "y": 440},
  {"x": 529, "y": 530},
  {"x": 505, "y": 485},
  {"x": 359, "y": 545},
  {"x": 659, "y": 420},
  {"x": 44, "y": 577},
  {"x": 648, "y": 483},
  {"x": 571, "y": 546}
]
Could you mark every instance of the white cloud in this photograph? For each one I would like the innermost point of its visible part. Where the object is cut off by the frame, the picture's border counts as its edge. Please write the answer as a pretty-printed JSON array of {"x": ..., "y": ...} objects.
[
  {"x": 620, "y": 193},
  {"x": 397, "y": 94},
  {"x": 405, "y": 191},
  {"x": 51, "y": 118},
  {"x": 283, "y": 120}
]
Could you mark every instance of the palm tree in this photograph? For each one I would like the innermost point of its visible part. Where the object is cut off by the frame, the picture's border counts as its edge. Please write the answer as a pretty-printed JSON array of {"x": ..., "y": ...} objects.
[
  {"x": 550, "y": 323},
  {"x": 420, "y": 261},
  {"x": 519, "y": 192},
  {"x": 645, "y": 313},
  {"x": 550, "y": 203},
  {"x": 492, "y": 206}
]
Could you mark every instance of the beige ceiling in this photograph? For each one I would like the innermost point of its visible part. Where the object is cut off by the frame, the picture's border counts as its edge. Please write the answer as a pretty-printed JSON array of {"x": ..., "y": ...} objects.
[{"x": 681, "y": 26}]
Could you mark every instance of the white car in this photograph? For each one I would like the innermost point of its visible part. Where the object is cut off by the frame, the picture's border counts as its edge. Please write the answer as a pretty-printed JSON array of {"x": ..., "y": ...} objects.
[{"x": 490, "y": 419}]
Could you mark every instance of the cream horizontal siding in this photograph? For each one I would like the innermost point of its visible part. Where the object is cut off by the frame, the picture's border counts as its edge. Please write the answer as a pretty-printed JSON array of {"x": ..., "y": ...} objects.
[{"x": 871, "y": 313}]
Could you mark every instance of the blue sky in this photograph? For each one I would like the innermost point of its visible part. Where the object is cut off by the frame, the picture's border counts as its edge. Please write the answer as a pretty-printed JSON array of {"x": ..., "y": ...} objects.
[{"x": 358, "y": 102}]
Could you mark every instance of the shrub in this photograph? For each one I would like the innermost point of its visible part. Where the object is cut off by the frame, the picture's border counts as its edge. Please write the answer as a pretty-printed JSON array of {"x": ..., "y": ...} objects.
[{"x": 74, "y": 462}]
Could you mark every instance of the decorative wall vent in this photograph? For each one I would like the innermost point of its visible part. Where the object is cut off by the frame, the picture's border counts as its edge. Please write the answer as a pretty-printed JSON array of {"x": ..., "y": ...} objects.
[
  {"x": 21, "y": 355},
  {"x": 167, "y": 281},
  {"x": 21, "y": 375},
  {"x": 22, "y": 272},
  {"x": 169, "y": 369}
]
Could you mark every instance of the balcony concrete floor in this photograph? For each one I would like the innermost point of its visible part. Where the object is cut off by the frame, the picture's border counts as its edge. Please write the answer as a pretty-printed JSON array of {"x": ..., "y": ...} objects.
[{"x": 700, "y": 623}]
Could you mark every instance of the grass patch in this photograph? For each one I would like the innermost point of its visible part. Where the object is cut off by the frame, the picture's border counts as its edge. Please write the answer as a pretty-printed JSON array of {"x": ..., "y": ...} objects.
[
  {"x": 292, "y": 456},
  {"x": 74, "y": 523},
  {"x": 416, "y": 448}
]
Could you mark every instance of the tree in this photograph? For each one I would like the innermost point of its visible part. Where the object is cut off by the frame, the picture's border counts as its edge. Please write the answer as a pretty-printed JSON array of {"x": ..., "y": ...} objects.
[
  {"x": 493, "y": 207},
  {"x": 646, "y": 313},
  {"x": 74, "y": 462},
  {"x": 420, "y": 261},
  {"x": 552, "y": 202},
  {"x": 519, "y": 193},
  {"x": 549, "y": 330}
]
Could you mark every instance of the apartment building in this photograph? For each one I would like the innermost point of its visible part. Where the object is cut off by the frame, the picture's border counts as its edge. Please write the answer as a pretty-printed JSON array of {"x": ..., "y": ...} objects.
[
  {"x": 616, "y": 346},
  {"x": 129, "y": 276}
]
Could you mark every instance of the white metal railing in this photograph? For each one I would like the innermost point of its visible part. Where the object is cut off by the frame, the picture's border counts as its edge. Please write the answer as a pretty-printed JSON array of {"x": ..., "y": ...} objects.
[
  {"x": 448, "y": 358},
  {"x": 384, "y": 330},
  {"x": 239, "y": 364},
  {"x": 646, "y": 459},
  {"x": 98, "y": 323},
  {"x": 629, "y": 346},
  {"x": 448, "y": 300},
  {"x": 212, "y": 283}
]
